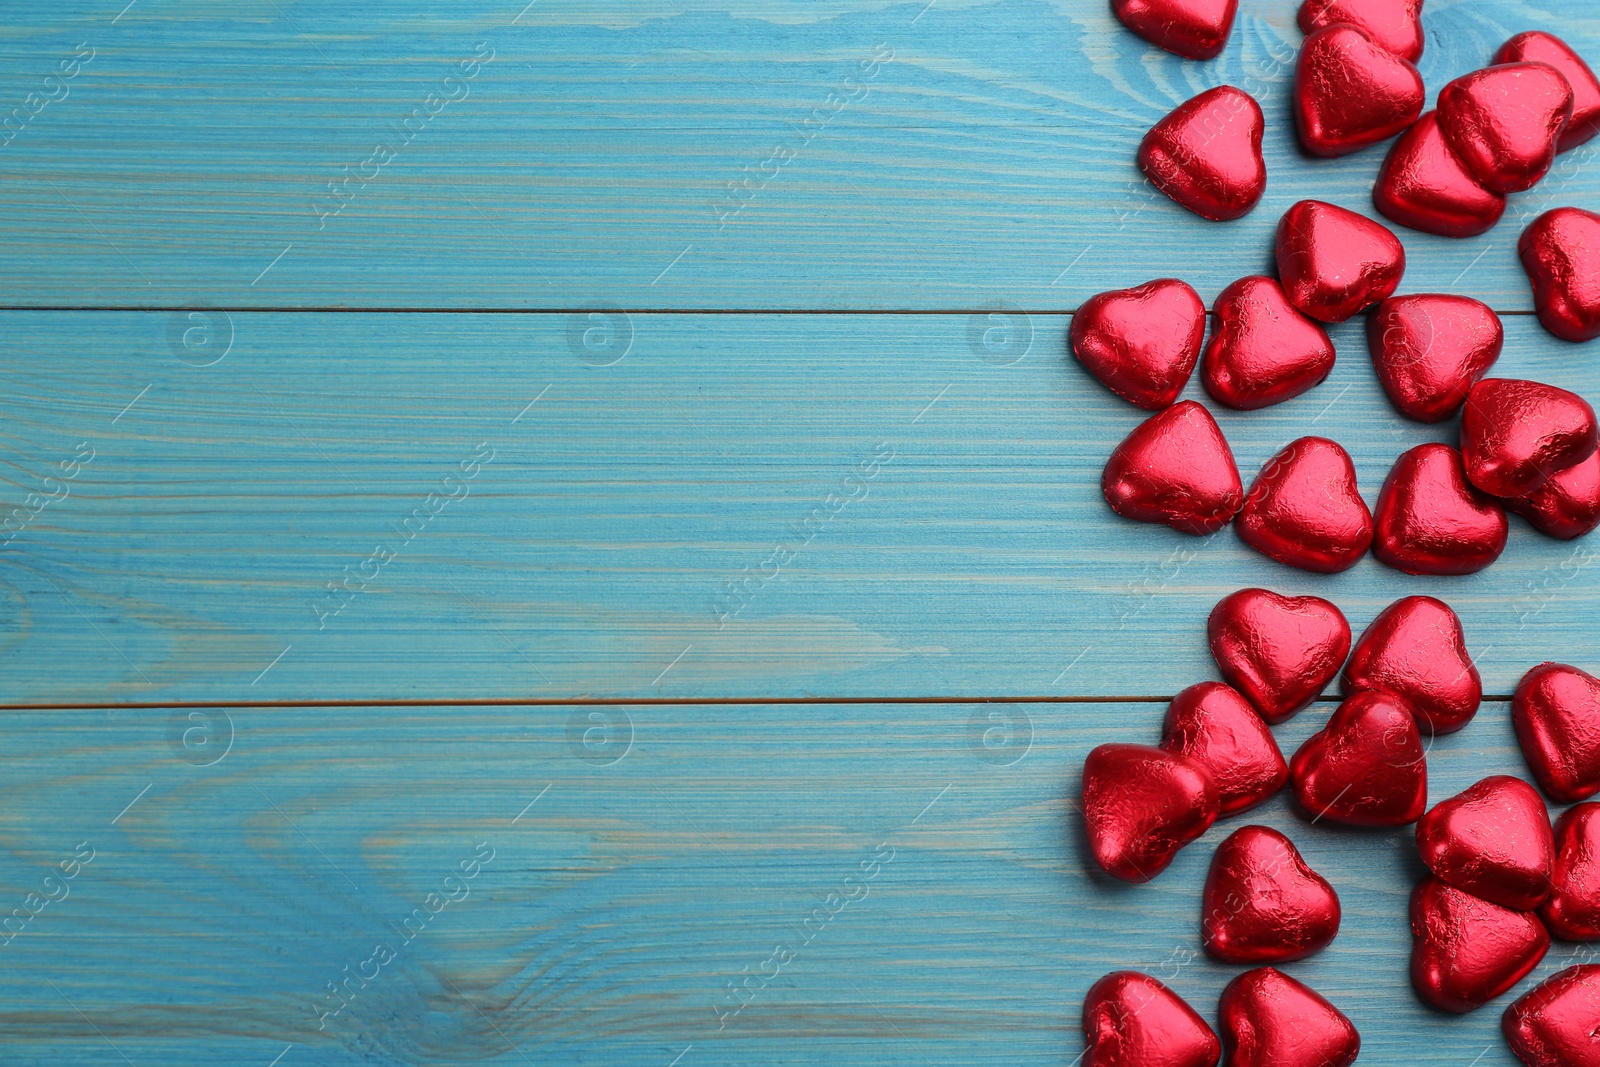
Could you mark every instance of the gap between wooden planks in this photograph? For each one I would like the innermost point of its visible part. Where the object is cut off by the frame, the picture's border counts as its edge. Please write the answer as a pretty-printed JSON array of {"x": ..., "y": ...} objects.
[
  {"x": 155, "y": 309},
  {"x": 613, "y": 702}
]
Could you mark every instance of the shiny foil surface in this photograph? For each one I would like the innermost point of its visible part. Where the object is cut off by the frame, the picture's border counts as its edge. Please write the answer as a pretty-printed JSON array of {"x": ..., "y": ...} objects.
[
  {"x": 1279, "y": 651},
  {"x": 1271, "y": 1020},
  {"x": 1304, "y": 509},
  {"x": 1194, "y": 29},
  {"x": 1216, "y": 726},
  {"x": 1142, "y": 343},
  {"x": 1553, "y": 1024},
  {"x": 1556, "y": 713},
  {"x": 1539, "y": 47},
  {"x": 1560, "y": 252},
  {"x": 1350, "y": 92},
  {"x": 1492, "y": 840},
  {"x": 1416, "y": 650},
  {"x": 1424, "y": 186},
  {"x": 1141, "y": 805},
  {"x": 1333, "y": 263},
  {"x": 1394, "y": 24},
  {"x": 1431, "y": 520},
  {"x": 1263, "y": 903},
  {"x": 1504, "y": 122},
  {"x": 1573, "y": 911},
  {"x": 1430, "y": 349},
  {"x": 1466, "y": 951},
  {"x": 1515, "y": 434},
  {"x": 1206, "y": 154},
  {"x": 1567, "y": 505},
  {"x": 1262, "y": 351},
  {"x": 1132, "y": 1020},
  {"x": 1175, "y": 468},
  {"x": 1367, "y": 767}
]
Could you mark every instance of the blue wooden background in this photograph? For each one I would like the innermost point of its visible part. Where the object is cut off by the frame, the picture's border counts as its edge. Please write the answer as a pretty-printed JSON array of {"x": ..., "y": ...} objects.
[{"x": 614, "y": 387}]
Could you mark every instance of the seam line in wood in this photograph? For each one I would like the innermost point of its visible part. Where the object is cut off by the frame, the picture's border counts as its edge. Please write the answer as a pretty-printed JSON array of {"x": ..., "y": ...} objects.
[
  {"x": 556, "y": 702},
  {"x": 155, "y": 309}
]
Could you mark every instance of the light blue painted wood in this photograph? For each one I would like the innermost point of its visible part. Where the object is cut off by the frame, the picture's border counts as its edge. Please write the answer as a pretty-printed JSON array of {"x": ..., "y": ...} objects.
[
  {"x": 589, "y": 161},
  {"x": 593, "y": 556},
  {"x": 618, "y": 906},
  {"x": 641, "y": 462}
]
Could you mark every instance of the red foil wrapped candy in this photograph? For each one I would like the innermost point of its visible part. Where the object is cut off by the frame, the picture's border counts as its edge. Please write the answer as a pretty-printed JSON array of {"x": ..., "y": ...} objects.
[
  {"x": 1142, "y": 343},
  {"x": 1367, "y": 767},
  {"x": 1556, "y": 713},
  {"x": 1175, "y": 468},
  {"x": 1194, "y": 29},
  {"x": 1553, "y": 1024},
  {"x": 1262, "y": 351},
  {"x": 1305, "y": 510},
  {"x": 1271, "y": 1020},
  {"x": 1503, "y": 122},
  {"x": 1279, "y": 651},
  {"x": 1132, "y": 1020},
  {"x": 1263, "y": 903},
  {"x": 1334, "y": 263},
  {"x": 1573, "y": 911},
  {"x": 1416, "y": 650},
  {"x": 1206, "y": 154},
  {"x": 1430, "y": 349},
  {"x": 1213, "y": 724},
  {"x": 1492, "y": 840},
  {"x": 1560, "y": 250},
  {"x": 1538, "y": 47},
  {"x": 1394, "y": 24},
  {"x": 1466, "y": 951},
  {"x": 1424, "y": 186},
  {"x": 1567, "y": 505},
  {"x": 1431, "y": 520},
  {"x": 1350, "y": 92},
  {"x": 1515, "y": 434},
  {"x": 1141, "y": 805}
]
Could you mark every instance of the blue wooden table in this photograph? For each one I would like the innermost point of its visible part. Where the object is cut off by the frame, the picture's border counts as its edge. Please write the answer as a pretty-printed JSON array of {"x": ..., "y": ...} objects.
[{"x": 408, "y": 411}]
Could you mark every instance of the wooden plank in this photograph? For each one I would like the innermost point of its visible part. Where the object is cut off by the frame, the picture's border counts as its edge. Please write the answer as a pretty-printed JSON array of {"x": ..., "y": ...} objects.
[
  {"x": 630, "y": 884},
  {"x": 937, "y": 511},
  {"x": 590, "y": 161}
]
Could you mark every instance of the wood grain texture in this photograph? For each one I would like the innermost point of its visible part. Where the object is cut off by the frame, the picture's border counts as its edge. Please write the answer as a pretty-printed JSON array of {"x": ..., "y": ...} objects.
[
  {"x": 609, "y": 494},
  {"x": 644, "y": 879},
  {"x": 966, "y": 551},
  {"x": 590, "y": 161}
]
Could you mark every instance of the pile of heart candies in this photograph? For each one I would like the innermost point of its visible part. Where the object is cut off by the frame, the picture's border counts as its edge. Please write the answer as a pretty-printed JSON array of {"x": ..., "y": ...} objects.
[{"x": 1502, "y": 881}]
